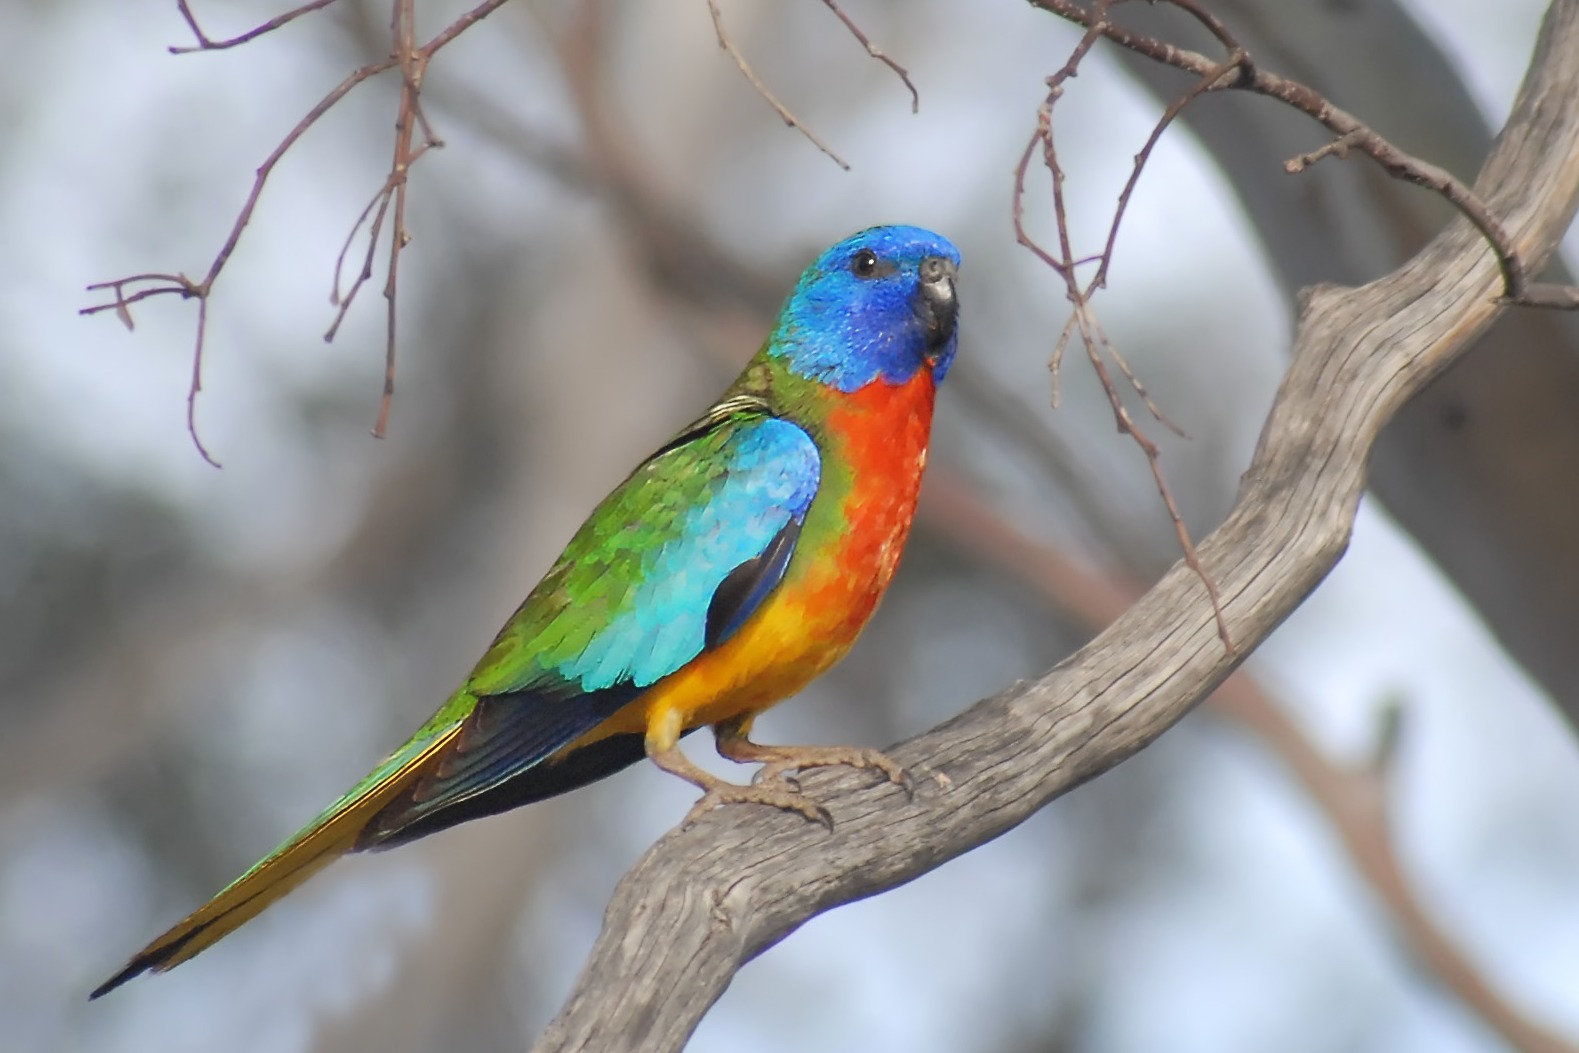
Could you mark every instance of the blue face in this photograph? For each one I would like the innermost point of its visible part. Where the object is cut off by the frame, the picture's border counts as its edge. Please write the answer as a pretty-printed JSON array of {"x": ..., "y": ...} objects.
[{"x": 877, "y": 306}]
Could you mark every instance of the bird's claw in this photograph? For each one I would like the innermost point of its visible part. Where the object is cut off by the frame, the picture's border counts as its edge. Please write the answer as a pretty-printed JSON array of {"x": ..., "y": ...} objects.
[
  {"x": 802, "y": 758},
  {"x": 781, "y": 797}
]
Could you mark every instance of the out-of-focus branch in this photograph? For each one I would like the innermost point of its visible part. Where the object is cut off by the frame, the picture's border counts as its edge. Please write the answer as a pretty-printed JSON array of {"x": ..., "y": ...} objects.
[
  {"x": 706, "y": 899},
  {"x": 727, "y": 43},
  {"x": 208, "y": 43},
  {"x": 1355, "y": 801}
]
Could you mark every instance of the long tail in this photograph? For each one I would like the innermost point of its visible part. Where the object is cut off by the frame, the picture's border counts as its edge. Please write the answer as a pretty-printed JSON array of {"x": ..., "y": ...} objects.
[{"x": 321, "y": 842}]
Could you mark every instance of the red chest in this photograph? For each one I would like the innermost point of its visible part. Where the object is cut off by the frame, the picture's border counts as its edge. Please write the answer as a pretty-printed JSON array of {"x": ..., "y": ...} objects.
[
  {"x": 882, "y": 433},
  {"x": 874, "y": 450}
]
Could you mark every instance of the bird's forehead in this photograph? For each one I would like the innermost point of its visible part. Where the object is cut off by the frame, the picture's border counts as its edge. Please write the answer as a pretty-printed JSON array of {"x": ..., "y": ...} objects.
[{"x": 910, "y": 243}]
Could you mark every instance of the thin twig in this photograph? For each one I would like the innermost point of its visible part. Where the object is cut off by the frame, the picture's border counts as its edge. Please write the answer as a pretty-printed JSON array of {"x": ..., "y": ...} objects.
[
  {"x": 379, "y": 201},
  {"x": 1043, "y": 133},
  {"x": 1065, "y": 265},
  {"x": 1059, "y": 347},
  {"x": 878, "y": 54},
  {"x": 412, "y": 61},
  {"x": 196, "y": 384},
  {"x": 1208, "y": 81},
  {"x": 1338, "y": 147},
  {"x": 207, "y": 43},
  {"x": 186, "y": 288},
  {"x": 762, "y": 89},
  {"x": 1134, "y": 380},
  {"x": 1351, "y": 132},
  {"x": 412, "y": 66},
  {"x": 459, "y": 26}
]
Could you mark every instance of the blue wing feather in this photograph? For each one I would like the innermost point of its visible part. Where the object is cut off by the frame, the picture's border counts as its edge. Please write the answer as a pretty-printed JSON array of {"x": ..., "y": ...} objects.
[
  {"x": 696, "y": 586},
  {"x": 770, "y": 477}
]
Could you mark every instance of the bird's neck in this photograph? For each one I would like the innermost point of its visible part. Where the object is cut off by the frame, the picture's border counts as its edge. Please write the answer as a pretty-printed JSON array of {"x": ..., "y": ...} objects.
[{"x": 832, "y": 415}]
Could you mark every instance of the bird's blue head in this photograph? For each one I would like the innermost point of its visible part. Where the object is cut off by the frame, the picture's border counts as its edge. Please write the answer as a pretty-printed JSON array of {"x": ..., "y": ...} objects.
[{"x": 878, "y": 305}]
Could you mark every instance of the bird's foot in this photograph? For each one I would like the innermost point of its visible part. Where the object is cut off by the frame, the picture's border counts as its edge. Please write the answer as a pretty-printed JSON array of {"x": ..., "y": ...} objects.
[
  {"x": 781, "y": 762},
  {"x": 785, "y": 798}
]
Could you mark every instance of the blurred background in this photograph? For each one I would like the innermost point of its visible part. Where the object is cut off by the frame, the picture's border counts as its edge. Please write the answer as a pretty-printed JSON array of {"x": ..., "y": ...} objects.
[{"x": 193, "y": 662}]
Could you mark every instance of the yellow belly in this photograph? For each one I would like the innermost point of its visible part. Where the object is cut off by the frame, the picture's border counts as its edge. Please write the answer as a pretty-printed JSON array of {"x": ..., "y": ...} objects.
[{"x": 775, "y": 654}]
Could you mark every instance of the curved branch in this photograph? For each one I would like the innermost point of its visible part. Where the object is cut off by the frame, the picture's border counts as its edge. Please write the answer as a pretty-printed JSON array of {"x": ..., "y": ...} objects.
[
  {"x": 708, "y": 898},
  {"x": 1353, "y": 799}
]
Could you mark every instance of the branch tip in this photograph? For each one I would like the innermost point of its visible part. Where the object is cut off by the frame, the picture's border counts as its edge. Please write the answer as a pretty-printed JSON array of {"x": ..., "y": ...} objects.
[
  {"x": 872, "y": 50},
  {"x": 789, "y": 118}
]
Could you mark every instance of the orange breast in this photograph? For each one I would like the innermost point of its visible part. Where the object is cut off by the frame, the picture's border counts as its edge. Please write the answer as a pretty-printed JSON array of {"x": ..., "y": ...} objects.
[{"x": 846, "y": 557}]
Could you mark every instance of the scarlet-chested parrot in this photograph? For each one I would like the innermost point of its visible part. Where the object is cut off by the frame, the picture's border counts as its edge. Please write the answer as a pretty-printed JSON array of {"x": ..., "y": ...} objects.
[{"x": 733, "y": 566}]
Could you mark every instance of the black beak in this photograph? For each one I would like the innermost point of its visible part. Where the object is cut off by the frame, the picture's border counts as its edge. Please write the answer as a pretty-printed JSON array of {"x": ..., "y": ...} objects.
[{"x": 936, "y": 305}]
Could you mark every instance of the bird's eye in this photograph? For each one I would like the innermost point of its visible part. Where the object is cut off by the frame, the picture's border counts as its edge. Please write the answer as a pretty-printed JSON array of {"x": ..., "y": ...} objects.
[{"x": 864, "y": 263}]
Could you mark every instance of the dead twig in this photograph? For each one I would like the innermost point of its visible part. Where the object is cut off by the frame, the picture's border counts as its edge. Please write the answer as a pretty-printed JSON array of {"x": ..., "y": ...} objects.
[
  {"x": 1209, "y": 81},
  {"x": 784, "y": 112},
  {"x": 412, "y": 61},
  {"x": 789, "y": 118},
  {"x": 881, "y": 56},
  {"x": 207, "y": 43},
  {"x": 1349, "y": 131},
  {"x": 412, "y": 67},
  {"x": 1066, "y": 265},
  {"x": 187, "y": 289}
]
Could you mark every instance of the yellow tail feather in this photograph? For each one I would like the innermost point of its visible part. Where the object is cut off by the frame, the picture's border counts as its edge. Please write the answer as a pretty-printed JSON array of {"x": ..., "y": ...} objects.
[{"x": 314, "y": 848}]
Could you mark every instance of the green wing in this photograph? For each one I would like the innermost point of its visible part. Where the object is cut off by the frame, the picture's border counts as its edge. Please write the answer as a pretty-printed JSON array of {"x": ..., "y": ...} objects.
[{"x": 669, "y": 565}]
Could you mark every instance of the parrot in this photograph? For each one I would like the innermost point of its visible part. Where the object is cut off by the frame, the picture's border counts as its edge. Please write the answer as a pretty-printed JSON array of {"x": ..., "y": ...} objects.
[{"x": 731, "y": 568}]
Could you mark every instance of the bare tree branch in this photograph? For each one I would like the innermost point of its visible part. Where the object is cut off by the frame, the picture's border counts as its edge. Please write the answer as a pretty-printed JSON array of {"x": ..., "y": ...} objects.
[
  {"x": 1243, "y": 74},
  {"x": 207, "y": 43},
  {"x": 1441, "y": 468},
  {"x": 1238, "y": 69},
  {"x": 706, "y": 899},
  {"x": 412, "y": 61},
  {"x": 184, "y": 287},
  {"x": 1353, "y": 800},
  {"x": 877, "y": 53},
  {"x": 785, "y": 114},
  {"x": 1066, "y": 264}
]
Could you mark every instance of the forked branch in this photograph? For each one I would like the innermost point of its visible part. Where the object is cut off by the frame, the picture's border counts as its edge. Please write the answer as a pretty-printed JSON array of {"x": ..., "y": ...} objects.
[
  {"x": 1348, "y": 130},
  {"x": 208, "y": 43},
  {"x": 412, "y": 61},
  {"x": 1066, "y": 264},
  {"x": 727, "y": 43},
  {"x": 1236, "y": 70}
]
